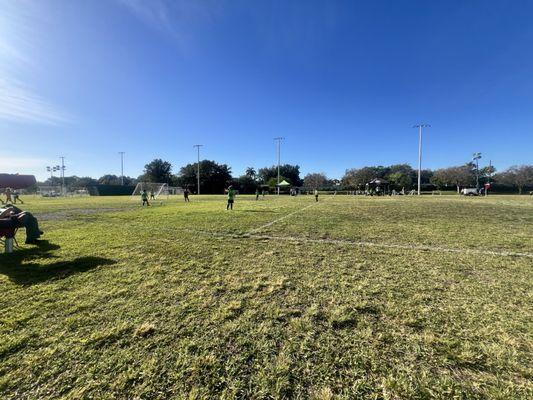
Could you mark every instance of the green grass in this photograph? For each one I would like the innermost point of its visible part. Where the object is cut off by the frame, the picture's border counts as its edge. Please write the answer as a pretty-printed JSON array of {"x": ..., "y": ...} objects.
[{"x": 186, "y": 301}]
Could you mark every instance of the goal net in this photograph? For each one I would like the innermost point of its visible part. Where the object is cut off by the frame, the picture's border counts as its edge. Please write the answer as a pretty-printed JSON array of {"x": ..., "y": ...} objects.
[
  {"x": 155, "y": 189},
  {"x": 175, "y": 190}
]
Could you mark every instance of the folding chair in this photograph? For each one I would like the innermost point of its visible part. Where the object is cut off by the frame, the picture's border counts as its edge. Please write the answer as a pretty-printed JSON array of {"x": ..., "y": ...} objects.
[{"x": 7, "y": 238}]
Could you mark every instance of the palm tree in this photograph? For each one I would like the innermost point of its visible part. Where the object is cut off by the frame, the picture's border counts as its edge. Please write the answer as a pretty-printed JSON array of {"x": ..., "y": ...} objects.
[{"x": 250, "y": 172}]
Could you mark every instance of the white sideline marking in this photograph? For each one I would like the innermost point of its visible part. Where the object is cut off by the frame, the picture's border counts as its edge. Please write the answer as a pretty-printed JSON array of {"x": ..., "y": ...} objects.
[
  {"x": 281, "y": 218},
  {"x": 396, "y": 246},
  {"x": 369, "y": 244}
]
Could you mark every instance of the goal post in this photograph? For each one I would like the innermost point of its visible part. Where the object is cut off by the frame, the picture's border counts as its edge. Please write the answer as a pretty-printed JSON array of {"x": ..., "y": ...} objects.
[{"x": 158, "y": 189}]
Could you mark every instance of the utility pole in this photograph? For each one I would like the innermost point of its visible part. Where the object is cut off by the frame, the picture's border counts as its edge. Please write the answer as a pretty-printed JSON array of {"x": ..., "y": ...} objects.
[
  {"x": 420, "y": 126},
  {"x": 476, "y": 157},
  {"x": 488, "y": 181},
  {"x": 278, "y": 140},
  {"x": 198, "y": 171},
  {"x": 63, "y": 189},
  {"x": 122, "y": 167}
]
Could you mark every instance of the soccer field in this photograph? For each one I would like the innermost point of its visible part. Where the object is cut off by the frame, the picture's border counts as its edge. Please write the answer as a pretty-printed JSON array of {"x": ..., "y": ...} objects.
[{"x": 350, "y": 297}]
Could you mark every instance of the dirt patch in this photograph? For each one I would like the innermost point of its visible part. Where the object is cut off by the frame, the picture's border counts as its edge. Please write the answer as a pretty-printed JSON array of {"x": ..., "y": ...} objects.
[{"x": 75, "y": 212}]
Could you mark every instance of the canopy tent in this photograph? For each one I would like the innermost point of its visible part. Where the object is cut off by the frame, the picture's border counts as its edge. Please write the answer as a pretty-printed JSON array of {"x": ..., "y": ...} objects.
[
  {"x": 378, "y": 182},
  {"x": 283, "y": 183},
  {"x": 378, "y": 186}
]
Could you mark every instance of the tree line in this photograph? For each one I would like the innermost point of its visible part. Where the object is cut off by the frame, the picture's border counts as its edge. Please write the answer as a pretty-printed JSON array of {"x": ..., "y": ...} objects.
[{"x": 215, "y": 177}]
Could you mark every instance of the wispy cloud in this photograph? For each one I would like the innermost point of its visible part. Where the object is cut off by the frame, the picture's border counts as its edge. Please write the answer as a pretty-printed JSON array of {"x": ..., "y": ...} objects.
[
  {"x": 174, "y": 17},
  {"x": 10, "y": 164},
  {"x": 155, "y": 13},
  {"x": 18, "y": 101}
]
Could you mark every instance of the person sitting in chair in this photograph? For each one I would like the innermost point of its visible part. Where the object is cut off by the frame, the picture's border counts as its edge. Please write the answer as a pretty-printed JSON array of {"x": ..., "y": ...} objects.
[{"x": 12, "y": 217}]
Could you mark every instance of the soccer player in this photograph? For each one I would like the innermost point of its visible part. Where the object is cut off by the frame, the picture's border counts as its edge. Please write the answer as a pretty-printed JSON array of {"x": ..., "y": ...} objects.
[
  {"x": 144, "y": 198},
  {"x": 231, "y": 198},
  {"x": 186, "y": 195},
  {"x": 8, "y": 196},
  {"x": 256, "y": 194},
  {"x": 316, "y": 195},
  {"x": 16, "y": 197},
  {"x": 152, "y": 195}
]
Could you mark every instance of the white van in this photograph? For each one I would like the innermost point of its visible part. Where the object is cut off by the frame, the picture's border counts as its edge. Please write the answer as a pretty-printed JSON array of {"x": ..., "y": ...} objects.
[{"x": 470, "y": 192}]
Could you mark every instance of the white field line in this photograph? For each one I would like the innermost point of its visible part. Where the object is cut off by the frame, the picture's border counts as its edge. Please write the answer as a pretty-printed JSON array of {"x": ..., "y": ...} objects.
[
  {"x": 285, "y": 216},
  {"x": 281, "y": 218},
  {"x": 347, "y": 242}
]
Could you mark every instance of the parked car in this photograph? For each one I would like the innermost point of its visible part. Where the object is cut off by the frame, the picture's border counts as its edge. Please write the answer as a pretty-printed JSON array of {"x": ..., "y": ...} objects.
[{"x": 470, "y": 192}]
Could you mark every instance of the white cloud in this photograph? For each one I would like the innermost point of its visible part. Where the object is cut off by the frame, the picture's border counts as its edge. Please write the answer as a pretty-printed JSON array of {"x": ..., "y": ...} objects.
[
  {"x": 177, "y": 18},
  {"x": 25, "y": 165},
  {"x": 155, "y": 13},
  {"x": 19, "y": 102}
]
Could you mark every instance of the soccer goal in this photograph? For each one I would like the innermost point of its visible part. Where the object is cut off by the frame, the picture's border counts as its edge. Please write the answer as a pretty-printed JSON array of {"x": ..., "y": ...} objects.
[
  {"x": 172, "y": 190},
  {"x": 155, "y": 189}
]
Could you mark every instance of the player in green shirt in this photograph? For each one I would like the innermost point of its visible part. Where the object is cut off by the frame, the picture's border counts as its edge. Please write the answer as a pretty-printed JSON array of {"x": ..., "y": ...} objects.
[
  {"x": 231, "y": 198},
  {"x": 144, "y": 198}
]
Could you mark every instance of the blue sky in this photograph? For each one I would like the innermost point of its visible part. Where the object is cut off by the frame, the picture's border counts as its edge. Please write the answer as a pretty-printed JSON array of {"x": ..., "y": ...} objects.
[{"x": 342, "y": 81}]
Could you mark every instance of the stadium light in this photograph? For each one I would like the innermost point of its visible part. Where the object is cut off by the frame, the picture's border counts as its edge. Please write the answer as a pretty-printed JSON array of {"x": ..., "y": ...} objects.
[
  {"x": 420, "y": 126},
  {"x": 52, "y": 169},
  {"x": 198, "y": 172},
  {"x": 122, "y": 167},
  {"x": 63, "y": 188},
  {"x": 278, "y": 140}
]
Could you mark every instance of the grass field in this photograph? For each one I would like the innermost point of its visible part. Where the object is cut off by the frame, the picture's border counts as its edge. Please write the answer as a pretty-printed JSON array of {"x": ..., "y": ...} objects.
[{"x": 351, "y": 297}]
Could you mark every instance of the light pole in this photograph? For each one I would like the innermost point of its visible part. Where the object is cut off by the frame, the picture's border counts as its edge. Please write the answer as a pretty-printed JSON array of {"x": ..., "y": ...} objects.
[
  {"x": 122, "y": 167},
  {"x": 63, "y": 189},
  {"x": 198, "y": 171},
  {"x": 420, "y": 126},
  {"x": 52, "y": 169},
  {"x": 476, "y": 157},
  {"x": 278, "y": 141}
]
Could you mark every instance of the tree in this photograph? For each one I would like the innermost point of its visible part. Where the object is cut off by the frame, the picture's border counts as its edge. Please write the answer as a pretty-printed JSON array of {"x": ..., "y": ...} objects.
[
  {"x": 454, "y": 176},
  {"x": 315, "y": 180},
  {"x": 109, "y": 180},
  {"x": 82, "y": 182},
  {"x": 358, "y": 178},
  {"x": 400, "y": 180},
  {"x": 517, "y": 176},
  {"x": 251, "y": 173},
  {"x": 291, "y": 173},
  {"x": 246, "y": 184},
  {"x": 157, "y": 171},
  {"x": 401, "y": 176},
  {"x": 425, "y": 176},
  {"x": 114, "y": 180},
  {"x": 214, "y": 177}
]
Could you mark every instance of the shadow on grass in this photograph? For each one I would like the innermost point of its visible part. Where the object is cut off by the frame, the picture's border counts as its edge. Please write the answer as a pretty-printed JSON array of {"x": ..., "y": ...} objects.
[{"x": 30, "y": 273}]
